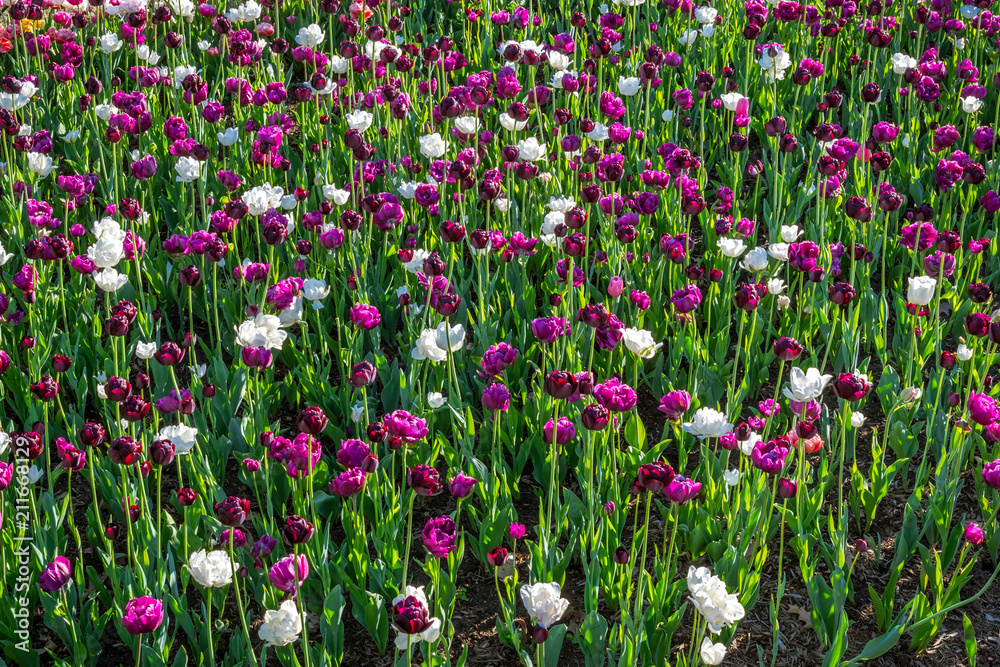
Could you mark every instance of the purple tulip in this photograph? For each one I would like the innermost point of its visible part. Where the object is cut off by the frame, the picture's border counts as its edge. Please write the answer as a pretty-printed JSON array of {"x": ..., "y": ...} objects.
[
  {"x": 461, "y": 485},
  {"x": 365, "y": 317},
  {"x": 674, "y": 404},
  {"x": 142, "y": 615},
  {"x": 352, "y": 453},
  {"x": 615, "y": 395},
  {"x": 991, "y": 474},
  {"x": 288, "y": 572},
  {"x": 983, "y": 409},
  {"x": 769, "y": 456},
  {"x": 496, "y": 397},
  {"x": 55, "y": 575},
  {"x": 408, "y": 428},
  {"x": 565, "y": 434},
  {"x": 347, "y": 483},
  {"x": 439, "y": 536},
  {"x": 681, "y": 489}
]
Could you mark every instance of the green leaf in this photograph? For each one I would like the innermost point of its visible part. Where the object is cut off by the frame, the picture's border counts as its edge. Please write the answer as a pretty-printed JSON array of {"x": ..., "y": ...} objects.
[
  {"x": 592, "y": 637},
  {"x": 635, "y": 432},
  {"x": 970, "y": 640}
]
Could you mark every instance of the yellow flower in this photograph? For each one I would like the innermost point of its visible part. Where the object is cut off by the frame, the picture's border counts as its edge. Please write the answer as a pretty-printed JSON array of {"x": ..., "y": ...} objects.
[{"x": 27, "y": 25}]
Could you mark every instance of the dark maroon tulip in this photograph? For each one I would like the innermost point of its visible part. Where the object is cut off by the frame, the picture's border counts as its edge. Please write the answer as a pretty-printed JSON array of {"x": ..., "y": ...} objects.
[
  {"x": 410, "y": 616},
  {"x": 232, "y": 511},
  {"x": 92, "y": 435},
  {"x": 497, "y": 557},
  {"x": 851, "y": 386},
  {"x": 787, "y": 488},
  {"x": 655, "y": 476},
  {"x": 296, "y": 530},
  {"x": 595, "y": 417},
  {"x": 560, "y": 384},
  {"x": 621, "y": 555},
  {"x": 424, "y": 480},
  {"x": 117, "y": 389},
  {"x": 61, "y": 363},
  {"x": 841, "y": 293},
  {"x": 977, "y": 324},
  {"x": 186, "y": 497},
  {"x": 312, "y": 420},
  {"x": 124, "y": 450},
  {"x": 45, "y": 389},
  {"x": 169, "y": 354},
  {"x": 980, "y": 293},
  {"x": 362, "y": 375},
  {"x": 162, "y": 452}
]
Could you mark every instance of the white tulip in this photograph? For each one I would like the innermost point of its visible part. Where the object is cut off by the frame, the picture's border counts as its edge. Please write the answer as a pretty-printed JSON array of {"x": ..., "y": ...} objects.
[
  {"x": 4, "y": 255},
  {"x": 731, "y": 100},
  {"x": 181, "y": 435},
  {"x": 857, "y": 419},
  {"x": 640, "y": 343},
  {"x": 718, "y": 607},
  {"x": 229, "y": 137},
  {"x": 971, "y": 104},
  {"x": 40, "y": 164},
  {"x": 779, "y": 251},
  {"x": 211, "y": 570},
  {"x": 432, "y": 145},
  {"x": 426, "y": 347},
  {"x": 732, "y": 477},
  {"x": 359, "y": 120},
  {"x": 188, "y": 169},
  {"x": 110, "y": 42},
  {"x": 508, "y": 123},
  {"x": 707, "y": 423},
  {"x": 756, "y": 260},
  {"x": 775, "y": 66},
  {"x": 417, "y": 262},
  {"x": 310, "y": 36},
  {"x": 249, "y": 11},
  {"x": 688, "y": 37},
  {"x": 706, "y": 15},
  {"x": 107, "y": 252},
  {"x": 559, "y": 61},
  {"x": 531, "y": 150},
  {"x": 902, "y": 62},
  {"x": 731, "y": 247},
  {"x": 544, "y": 603},
  {"x": 804, "y": 387},
  {"x": 599, "y": 133},
  {"x": 775, "y": 286},
  {"x": 921, "y": 290},
  {"x": 263, "y": 198},
  {"x": 712, "y": 654},
  {"x": 434, "y": 399},
  {"x": 628, "y": 86},
  {"x": 145, "y": 351},
  {"x": 467, "y": 124},
  {"x": 315, "y": 290},
  {"x": 281, "y": 626},
  {"x": 790, "y": 233},
  {"x": 110, "y": 280},
  {"x": 453, "y": 337},
  {"x": 262, "y": 331}
]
